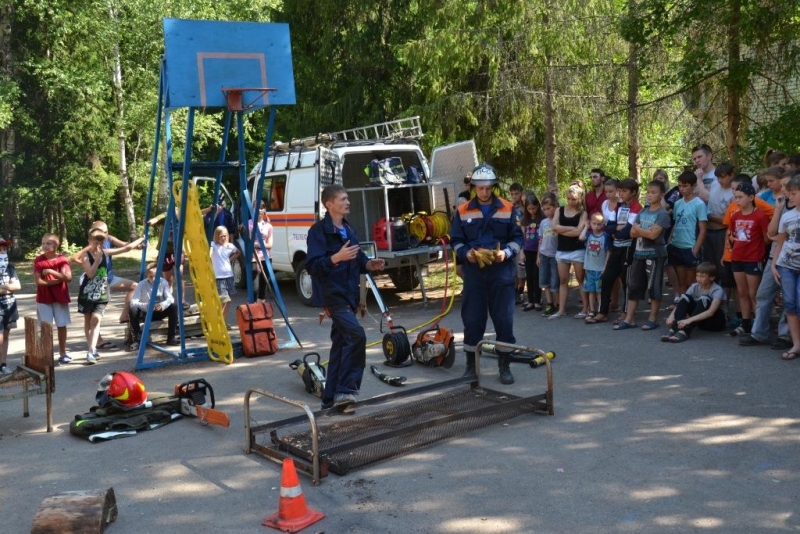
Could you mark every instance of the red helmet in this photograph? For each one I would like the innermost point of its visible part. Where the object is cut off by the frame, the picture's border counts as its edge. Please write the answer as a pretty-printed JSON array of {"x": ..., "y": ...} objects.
[{"x": 127, "y": 389}]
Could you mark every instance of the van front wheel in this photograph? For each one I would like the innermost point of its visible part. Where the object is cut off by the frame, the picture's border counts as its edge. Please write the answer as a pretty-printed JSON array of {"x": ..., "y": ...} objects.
[
  {"x": 303, "y": 283},
  {"x": 404, "y": 278}
]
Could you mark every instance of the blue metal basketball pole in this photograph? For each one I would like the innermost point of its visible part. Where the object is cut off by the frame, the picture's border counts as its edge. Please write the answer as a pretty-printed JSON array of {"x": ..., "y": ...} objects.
[{"x": 206, "y": 61}]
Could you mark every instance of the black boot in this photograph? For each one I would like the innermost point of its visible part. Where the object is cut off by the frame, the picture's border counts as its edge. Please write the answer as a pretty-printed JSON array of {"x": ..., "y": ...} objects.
[
  {"x": 470, "y": 370},
  {"x": 505, "y": 370}
]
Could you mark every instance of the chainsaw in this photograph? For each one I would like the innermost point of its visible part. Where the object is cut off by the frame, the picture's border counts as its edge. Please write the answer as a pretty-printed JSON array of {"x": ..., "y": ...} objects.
[
  {"x": 312, "y": 373},
  {"x": 435, "y": 348},
  {"x": 194, "y": 403}
]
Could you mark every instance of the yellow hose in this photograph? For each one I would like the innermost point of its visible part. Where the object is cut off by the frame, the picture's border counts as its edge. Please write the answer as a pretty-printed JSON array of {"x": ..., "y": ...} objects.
[{"x": 435, "y": 319}]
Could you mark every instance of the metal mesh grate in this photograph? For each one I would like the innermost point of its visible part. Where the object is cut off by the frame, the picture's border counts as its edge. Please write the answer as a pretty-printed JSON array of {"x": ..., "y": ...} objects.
[{"x": 347, "y": 444}]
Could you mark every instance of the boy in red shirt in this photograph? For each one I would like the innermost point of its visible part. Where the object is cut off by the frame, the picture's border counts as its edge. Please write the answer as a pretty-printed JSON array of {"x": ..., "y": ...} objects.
[
  {"x": 51, "y": 273},
  {"x": 747, "y": 234}
]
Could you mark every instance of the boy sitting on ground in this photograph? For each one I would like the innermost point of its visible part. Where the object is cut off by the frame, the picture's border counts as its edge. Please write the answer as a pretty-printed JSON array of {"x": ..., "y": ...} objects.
[{"x": 700, "y": 306}]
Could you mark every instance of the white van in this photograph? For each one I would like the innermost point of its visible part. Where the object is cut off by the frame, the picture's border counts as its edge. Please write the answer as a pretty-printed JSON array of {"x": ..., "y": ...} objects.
[{"x": 297, "y": 172}]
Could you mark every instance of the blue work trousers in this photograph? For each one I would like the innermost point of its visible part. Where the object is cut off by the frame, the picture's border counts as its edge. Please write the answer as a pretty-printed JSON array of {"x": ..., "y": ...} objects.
[
  {"x": 348, "y": 355},
  {"x": 488, "y": 292}
]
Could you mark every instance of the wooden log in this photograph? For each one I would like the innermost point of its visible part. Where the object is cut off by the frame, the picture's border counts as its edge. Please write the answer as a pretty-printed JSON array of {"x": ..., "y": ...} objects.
[{"x": 76, "y": 512}]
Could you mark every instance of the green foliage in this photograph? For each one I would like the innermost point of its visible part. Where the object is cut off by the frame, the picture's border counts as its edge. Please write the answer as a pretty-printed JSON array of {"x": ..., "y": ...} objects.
[{"x": 472, "y": 69}]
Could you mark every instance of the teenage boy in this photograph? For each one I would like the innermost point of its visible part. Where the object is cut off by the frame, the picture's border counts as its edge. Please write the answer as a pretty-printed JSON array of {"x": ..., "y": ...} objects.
[
  {"x": 702, "y": 158},
  {"x": 115, "y": 283},
  {"x": 646, "y": 274},
  {"x": 164, "y": 307},
  {"x": 689, "y": 232},
  {"x": 719, "y": 196},
  {"x": 51, "y": 273},
  {"x": 619, "y": 229},
  {"x": 700, "y": 306}
]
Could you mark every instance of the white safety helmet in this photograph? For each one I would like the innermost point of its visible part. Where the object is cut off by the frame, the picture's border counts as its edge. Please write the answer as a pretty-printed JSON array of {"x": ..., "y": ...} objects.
[{"x": 484, "y": 174}]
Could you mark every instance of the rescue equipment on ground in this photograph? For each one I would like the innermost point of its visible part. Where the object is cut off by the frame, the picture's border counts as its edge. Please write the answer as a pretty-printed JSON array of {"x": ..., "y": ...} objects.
[
  {"x": 396, "y": 347},
  {"x": 112, "y": 419},
  {"x": 391, "y": 380},
  {"x": 125, "y": 388},
  {"x": 434, "y": 347},
  {"x": 197, "y": 400},
  {"x": 257, "y": 328},
  {"x": 533, "y": 357},
  {"x": 312, "y": 372}
]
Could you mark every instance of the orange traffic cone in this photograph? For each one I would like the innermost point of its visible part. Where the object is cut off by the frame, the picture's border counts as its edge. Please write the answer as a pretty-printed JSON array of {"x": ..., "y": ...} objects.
[{"x": 293, "y": 515}]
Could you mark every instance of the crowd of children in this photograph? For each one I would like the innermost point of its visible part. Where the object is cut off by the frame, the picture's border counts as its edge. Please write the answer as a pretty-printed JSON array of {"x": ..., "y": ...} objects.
[{"x": 713, "y": 234}]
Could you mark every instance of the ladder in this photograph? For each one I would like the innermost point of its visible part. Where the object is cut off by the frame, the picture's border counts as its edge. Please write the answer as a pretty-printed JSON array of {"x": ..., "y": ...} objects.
[{"x": 408, "y": 128}]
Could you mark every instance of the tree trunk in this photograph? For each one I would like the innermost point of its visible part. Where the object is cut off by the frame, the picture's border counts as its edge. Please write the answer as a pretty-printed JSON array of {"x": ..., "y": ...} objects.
[
  {"x": 124, "y": 186},
  {"x": 62, "y": 226},
  {"x": 735, "y": 85},
  {"x": 10, "y": 202},
  {"x": 633, "y": 111},
  {"x": 549, "y": 119}
]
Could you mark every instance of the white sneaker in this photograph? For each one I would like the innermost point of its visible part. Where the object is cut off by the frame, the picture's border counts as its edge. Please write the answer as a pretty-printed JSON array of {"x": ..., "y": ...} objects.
[
  {"x": 5, "y": 370},
  {"x": 90, "y": 359}
]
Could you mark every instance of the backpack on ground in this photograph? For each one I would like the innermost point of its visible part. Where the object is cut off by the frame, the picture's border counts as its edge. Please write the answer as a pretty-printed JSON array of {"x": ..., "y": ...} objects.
[{"x": 257, "y": 329}]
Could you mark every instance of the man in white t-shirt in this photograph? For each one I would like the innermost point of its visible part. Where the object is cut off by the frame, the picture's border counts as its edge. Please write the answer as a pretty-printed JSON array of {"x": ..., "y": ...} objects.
[{"x": 718, "y": 196}]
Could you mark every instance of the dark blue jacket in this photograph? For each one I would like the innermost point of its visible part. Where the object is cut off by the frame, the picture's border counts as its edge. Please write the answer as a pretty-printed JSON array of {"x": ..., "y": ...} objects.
[
  {"x": 469, "y": 229},
  {"x": 333, "y": 285}
]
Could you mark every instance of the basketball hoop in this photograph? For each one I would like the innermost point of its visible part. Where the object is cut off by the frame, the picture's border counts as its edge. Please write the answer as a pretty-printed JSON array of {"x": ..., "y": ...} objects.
[{"x": 234, "y": 96}]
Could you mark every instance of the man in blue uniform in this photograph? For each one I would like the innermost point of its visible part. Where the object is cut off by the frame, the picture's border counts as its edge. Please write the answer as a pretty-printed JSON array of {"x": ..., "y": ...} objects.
[
  {"x": 335, "y": 262},
  {"x": 490, "y": 223}
]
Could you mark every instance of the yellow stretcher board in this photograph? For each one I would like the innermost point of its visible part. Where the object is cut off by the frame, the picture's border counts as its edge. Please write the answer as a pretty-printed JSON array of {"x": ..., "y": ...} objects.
[{"x": 197, "y": 250}]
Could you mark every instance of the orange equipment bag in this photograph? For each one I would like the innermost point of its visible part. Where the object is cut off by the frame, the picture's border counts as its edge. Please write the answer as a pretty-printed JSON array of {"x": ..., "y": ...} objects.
[{"x": 257, "y": 329}]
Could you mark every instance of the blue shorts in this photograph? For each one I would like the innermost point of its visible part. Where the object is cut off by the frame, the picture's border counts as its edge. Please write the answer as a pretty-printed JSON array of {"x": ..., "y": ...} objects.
[
  {"x": 682, "y": 257},
  {"x": 591, "y": 281},
  {"x": 753, "y": 268},
  {"x": 548, "y": 272}
]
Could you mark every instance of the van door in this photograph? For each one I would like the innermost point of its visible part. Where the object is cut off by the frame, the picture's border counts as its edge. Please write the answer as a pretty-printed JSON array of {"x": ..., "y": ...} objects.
[{"x": 449, "y": 164}]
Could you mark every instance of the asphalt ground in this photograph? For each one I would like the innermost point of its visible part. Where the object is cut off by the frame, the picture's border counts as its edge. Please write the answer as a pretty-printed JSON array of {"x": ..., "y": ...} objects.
[{"x": 646, "y": 437}]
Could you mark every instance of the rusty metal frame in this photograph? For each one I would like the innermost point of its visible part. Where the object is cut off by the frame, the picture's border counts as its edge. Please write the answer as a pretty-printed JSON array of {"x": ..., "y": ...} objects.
[{"x": 317, "y": 462}]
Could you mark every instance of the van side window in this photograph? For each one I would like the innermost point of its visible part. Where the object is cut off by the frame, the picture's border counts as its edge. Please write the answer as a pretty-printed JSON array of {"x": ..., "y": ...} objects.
[{"x": 277, "y": 193}]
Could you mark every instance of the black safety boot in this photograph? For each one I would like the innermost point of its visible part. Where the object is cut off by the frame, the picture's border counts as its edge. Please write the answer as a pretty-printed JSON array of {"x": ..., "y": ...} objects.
[
  {"x": 470, "y": 370},
  {"x": 505, "y": 370}
]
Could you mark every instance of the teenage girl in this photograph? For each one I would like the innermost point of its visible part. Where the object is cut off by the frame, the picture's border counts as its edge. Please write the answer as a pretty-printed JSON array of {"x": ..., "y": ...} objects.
[
  {"x": 531, "y": 220},
  {"x": 568, "y": 223},
  {"x": 747, "y": 235}
]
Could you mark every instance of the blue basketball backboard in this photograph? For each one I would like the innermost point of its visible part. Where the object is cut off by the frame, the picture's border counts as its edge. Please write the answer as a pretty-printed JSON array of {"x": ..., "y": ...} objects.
[{"x": 203, "y": 58}]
